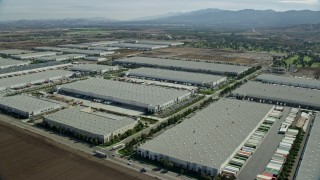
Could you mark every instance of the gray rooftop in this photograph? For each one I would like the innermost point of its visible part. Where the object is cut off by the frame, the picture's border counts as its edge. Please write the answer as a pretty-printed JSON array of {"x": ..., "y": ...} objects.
[
  {"x": 310, "y": 164},
  {"x": 280, "y": 93},
  {"x": 11, "y": 62},
  {"x": 13, "y": 52},
  {"x": 152, "y": 95},
  {"x": 169, "y": 43},
  {"x": 300, "y": 82},
  {"x": 175, "y": 75},
  {"x": 104, "y": 48},
  {"x": 34, "y": 77},
  {"x": 77, "y": 51},
  {"x": 138, "y": 46},
  {"x": 211, "y": 136},
  {"x": 97, "y": 123},
  {"x": 62, "y": 57},
  {"x": 34, "y": 55},
  {"x": 191, "y": 65},
  {"x": 92, "y": 67},
  {"x": 31, "y": 66},
  {"x": 27, "y": 103}
]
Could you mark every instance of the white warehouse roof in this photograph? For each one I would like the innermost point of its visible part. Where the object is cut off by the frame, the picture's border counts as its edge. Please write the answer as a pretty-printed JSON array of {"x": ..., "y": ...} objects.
[
  {"x": 93, "y": 68},
  {"x": 34, "y": 55},
  {"x": 27, "y": 103},
  {"x": 138, "y": 46},
  {"x": 4, "y": 63},
  {"x": 169, "y": 43},
  {"x": 175, "y": 75},
  {"x": 310, "y": 164},
  {"x": 13, "y": 52},
  {"x": 152, "y": 95},
  {"x": 211, "y": 136},
  {"x": 20, "y": 81},
  {"x": 63, "y": 57},
  {"x": 185, "y": 65},
  {"x": 96, "y": 123},
  {"x": 290, "y": 81},
  {"x": 306, "y": 97}
]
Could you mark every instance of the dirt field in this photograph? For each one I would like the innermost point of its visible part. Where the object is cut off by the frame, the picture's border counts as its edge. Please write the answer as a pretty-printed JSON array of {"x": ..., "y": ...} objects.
[
  {"x": 241, "y": 57},
  {"x": 24, "y": 155},
  {"x": 306, "y": 72}
]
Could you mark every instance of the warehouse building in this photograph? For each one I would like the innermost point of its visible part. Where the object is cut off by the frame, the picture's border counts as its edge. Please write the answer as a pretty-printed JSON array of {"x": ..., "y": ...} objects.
[
  {"x": 289, "y": 81},
  {"x": 10, "y": 52},
  {"x": 104, "y": 48},
  {"x": 64, "y": 57},
  {"x": 150, "y": 98},
  {"x": 143, "y": 47},
  {"x": 88, "y": 52},
  {"x": 76, "y": 46},
  {"x": 93, "y": 68},
  {"x": 178, "y": 76},
  {"x": 30, "y": 68},
  {"x": 101, "y": 43},
  {"x": 6, "y": 63},
  {"x": 96, "y": 59},
  {"x": 276, "y": 94},
  {"x": 46, "y": 48},
  {"x": 309, "y": 168},
  {"x": 95, "y": 125},
  {"x": 76, "y": 51},
  {"x": 26, "y": 106},
  {"x": 166, "y": 43},
  {"x": 34, "y": 55},
  {"x": 193, "y": 66},
  {"x": 32, "y": 79},
  {"x": 206, "y": 142}
]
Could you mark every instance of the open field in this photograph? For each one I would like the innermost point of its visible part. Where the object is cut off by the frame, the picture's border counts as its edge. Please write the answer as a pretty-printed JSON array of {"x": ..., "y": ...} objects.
[
  {"x": 232, "y": 56},
  {"x": 306, "y": 72},
  {"x": 24, "y": 155}
]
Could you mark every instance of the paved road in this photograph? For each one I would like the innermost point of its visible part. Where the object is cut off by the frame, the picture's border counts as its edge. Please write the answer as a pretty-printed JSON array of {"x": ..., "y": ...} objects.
[{"x": 260, "y": 159}]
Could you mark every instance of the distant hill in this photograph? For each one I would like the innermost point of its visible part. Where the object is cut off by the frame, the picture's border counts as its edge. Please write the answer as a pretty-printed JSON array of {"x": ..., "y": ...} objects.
[
  {"x": 68, "y": 22},
  {"x": 243, "y": 18}
]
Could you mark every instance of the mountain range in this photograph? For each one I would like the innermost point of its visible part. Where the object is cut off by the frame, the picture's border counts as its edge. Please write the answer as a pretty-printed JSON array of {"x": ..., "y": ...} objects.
[{"x": 247, "y": 18}]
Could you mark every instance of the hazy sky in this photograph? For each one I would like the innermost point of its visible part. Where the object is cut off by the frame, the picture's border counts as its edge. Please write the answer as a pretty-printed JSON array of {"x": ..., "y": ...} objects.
[{"x": 129, "y": 9}]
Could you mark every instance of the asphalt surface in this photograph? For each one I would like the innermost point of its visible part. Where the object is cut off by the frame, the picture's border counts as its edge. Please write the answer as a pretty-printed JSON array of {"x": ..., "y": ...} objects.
[{"x": 262, "y": 156}]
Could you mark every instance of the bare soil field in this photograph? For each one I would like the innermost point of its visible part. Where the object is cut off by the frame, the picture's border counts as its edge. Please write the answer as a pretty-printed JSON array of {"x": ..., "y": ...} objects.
[
  {"x": 24, "y": 155},
  {"x": 306, "y": 72},
  {"x": 232, "y": 56}
]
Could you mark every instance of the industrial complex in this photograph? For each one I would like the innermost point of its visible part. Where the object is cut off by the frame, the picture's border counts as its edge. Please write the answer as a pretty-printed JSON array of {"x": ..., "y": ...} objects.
[
  {"x": 150, "y": 98},
  {"x": 289, "y": 81},
  {"x": 26, "y": 106},
  {"x": 282, "y": 95},
  {"x": 178, "y": 76},
  {"x": 95, "y": 125},
  {"x": 193, "y": 66},
  {"x": 207, "y": 141},
  {"x": 5, "y": 63},
  {"x": 94, "y": 68},
  {"x": 309, "y": 167},
  {"x": 32, "y": 79}
]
